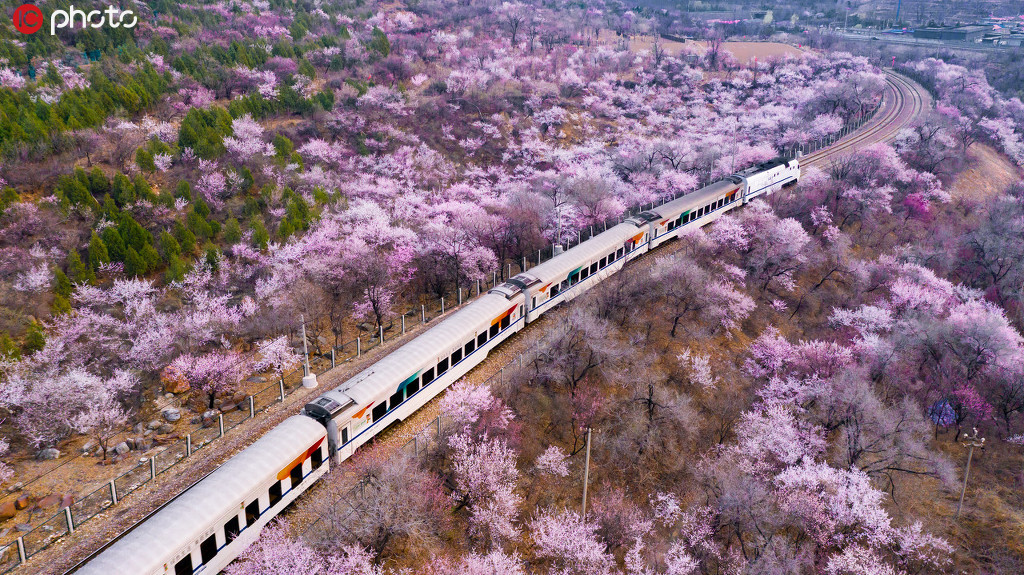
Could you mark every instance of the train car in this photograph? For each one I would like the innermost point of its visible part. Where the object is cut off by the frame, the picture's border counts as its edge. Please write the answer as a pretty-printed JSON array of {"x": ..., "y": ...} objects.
[
  {"x": 211, "y": 523},
  {"x": 768, "y": 177},
  {"x": 578, "y": 269},
  {"x": 699, "y": 208},
  {"x": 398, "y": 385}
]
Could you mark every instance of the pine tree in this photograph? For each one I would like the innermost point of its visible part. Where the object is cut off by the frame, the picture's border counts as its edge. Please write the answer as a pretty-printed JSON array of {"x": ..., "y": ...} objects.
[
  {"x": 175, "y": 270},
  {"x": 186, "y": 239},
  {"x": 61, "y": 284},
  {"x": 134, "y": 265},
  {"x": 232, "y": 231},
  {"x": 97, "y": 252},
  {"x": 260, "y": 236},
  {"x": 8, "y": 349},
  {"x": 35, "y": 340},
  {"x": 115, "y": 245}
]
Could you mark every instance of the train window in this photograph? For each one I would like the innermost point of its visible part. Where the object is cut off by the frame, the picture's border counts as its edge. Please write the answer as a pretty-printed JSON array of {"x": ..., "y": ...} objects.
[
  {"x": 470, "y": 346},
  {"x": 593, "y": 268},
  {"x": 611, "y": 257},
  {"x": 456, "y": 356},
  {"x": 183, "y": 567},
  {"x": 231, "y": 529},
  {"x": 622, "y": 252},
  {"x": 584, "y": 273},
  {"x": 603, "y": 262},
  {"x": 297, "y": 475},
  {"x": 428, "y": 376},
  {"x": 554, "y": 290},
  {"x": 442, "y": 366},
  {"x": 494, "y": 330},
  {"x": 396, "y": 399},
  {"x": 252, "y": 513},
  {"x": 344, "y": 435},
  {"x": 380, "y": 411},
  {"x": 316, "y": 459},
  {"x": 505, "y": 321},
  {"x": 721, "y": 202},
  {"x": 412, "y": 388},
  {"x": 481, "y": 339},
  {"x": 208, "y": 548},
  {"x": 275, "y": 493}
]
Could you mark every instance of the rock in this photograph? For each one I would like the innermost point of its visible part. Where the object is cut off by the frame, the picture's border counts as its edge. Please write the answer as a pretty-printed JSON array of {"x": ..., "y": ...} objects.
[
  {"x": 23, "y": 527},
  {"x": 143, "y": 443},
  {"x": 217, "y": 402},
  {"x": 139, "y": 428},
  {"x": 148, "y": 433},
  {"x": 89, "y": 446},
  {"x": 131, "y": 442},
  {"x": 99, "y": 452},
  {"x": 22, "y": 502},
  {"x": 47, "y": 454},
  {"x": 168, "y": 396},
  {"x": 8, "y": 510},
  {"x": 121, "y": 448},
  {"x": 67, "y": 500},
  {"x": 239, "y": 397},
  {"x": 171, "y": 414},
  {"x": 196, "y": 420},
  {"x": 165, "y": 429},
  {"x": 257, "y": 379},
  {"x": 15, "y": 488},
  {"x": 155, "y": 424},
  {"x": 49, "y": 501},
  {"x": 228, "y": 407},
  {"x": 179, "y": 385}
]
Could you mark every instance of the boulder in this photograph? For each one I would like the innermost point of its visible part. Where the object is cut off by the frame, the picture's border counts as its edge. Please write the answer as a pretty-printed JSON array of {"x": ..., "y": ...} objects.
[
  {"x": 168, "y": 396},
  {"x": 239, "y": 397},
  {"x": 143, "y": 443},
  {"x": 23, "y": 527},
  {"x": 8, "y": 510},
  {"x": 139, "y": 427},
  {"x": 121, "y": 448},
  {"x": 228, "y": 407},
  {"x": 89, "y": 446},
  {"x": 49, "y": 501},
  {"x": 178, "y": 385},
  {"x": 15, "y": 488},
  {"x": 165, "y": 429},
  {"x": 171, "y": 414},
  {"x": 47, "y": 454},
  {"x": 154, "y": 424},
  {"x": 257, "y": 379},
  {"x": 131, "y": 442},
  {"x": 22, "y": 502}
]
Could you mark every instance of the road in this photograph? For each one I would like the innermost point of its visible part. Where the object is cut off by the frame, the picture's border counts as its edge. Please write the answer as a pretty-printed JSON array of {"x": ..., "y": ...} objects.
[{"x": 903, "y": 101}]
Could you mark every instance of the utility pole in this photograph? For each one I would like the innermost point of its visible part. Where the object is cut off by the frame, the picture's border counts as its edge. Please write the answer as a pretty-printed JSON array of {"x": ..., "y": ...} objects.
[
  {"x": 970, "y": 441},
  {"x": 308, "y": 377},
  {"x": 586, "y": 475}
]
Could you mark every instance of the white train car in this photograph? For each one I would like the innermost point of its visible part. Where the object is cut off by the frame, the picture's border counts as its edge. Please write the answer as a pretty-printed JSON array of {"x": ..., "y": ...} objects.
[
  {"x": 768, "y": 177},
  {"x": 207, "y": 526},
  {"x": 398, "y": 385}
]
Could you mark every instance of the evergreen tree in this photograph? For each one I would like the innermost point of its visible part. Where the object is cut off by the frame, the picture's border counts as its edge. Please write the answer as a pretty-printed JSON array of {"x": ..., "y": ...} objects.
[
  {"x": 97, "y": 252},
  {"x": 232, "y": 231},
  {"x": 8, "y": 349},
  {"x": 134, "y": 265},
  {"x": 169, "y": 246},
  {"x": 61, "y": 284},
  {"x": 175, "y": 270},
  {"x": 34, "y": 338},
  {"x": 115, "y": 245},
  {"x": 186, "y": 239},
  {"x": 260, "y": 235},
  {"x": 80, "y": 273},
  {"x": 150, "y": 256}
]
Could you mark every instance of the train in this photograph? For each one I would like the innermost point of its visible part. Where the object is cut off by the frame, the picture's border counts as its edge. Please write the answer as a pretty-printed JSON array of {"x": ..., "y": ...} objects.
[{"x": 207, "y": 526}]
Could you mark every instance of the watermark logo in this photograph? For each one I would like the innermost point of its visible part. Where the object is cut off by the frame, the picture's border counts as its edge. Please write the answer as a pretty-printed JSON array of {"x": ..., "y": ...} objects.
[{"x": 28, "y": 18}]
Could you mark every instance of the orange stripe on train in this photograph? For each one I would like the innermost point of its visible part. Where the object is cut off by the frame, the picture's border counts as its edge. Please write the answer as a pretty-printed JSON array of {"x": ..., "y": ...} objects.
[{"x": 298, "y": 460}]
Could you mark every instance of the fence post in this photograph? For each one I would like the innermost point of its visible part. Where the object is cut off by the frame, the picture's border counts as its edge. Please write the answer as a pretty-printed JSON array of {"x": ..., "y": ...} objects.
[
  {"x": 70, "y": 520},
  {"x": 403, "y": 324},
  {"x": 252, "y": 402},
  {"x": 22, "y": 558},
  {"x": 494, "y": 279},
  {"x": 508, "y": 273},
  {"x": 220, "y": 424},
  {"x": 538, "y": 257},
  {"x": 188, "y": 449},
  {"x": 523, "y": 267},
  {"x": 423, "y": 313},
  {"x": 478, "y": 286},
  {"x": 113, "y": 493},
  {"x": 359, "y": 347},
  {"x": 381, "y": 330},
  {"x": 280, "y": 385},
  {"x": 438, "y": 426},
  {"x": 152, "y": 468},
  {"x": 333, "y": 364},
  {"x": 442, "y": 306},
  {"x": 460, "y": 296},
  {"x": 415, "y": 445}
]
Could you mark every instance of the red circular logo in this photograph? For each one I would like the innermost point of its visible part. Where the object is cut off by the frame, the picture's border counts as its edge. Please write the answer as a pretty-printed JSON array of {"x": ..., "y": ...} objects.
[{"x": 28, "y": 18}]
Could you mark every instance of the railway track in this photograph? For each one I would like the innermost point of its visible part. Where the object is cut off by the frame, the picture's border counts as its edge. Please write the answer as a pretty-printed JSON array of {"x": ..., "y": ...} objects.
[{"x": 903, "y": 101}]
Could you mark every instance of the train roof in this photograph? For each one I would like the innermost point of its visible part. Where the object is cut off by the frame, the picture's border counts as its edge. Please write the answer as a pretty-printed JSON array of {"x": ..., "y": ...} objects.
[
  {"x": 558, "y": 268},
  {"x": 380, "y": 378},
  {"x": 699, "y": 197},
  {"x": 188, "y": 517}
]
